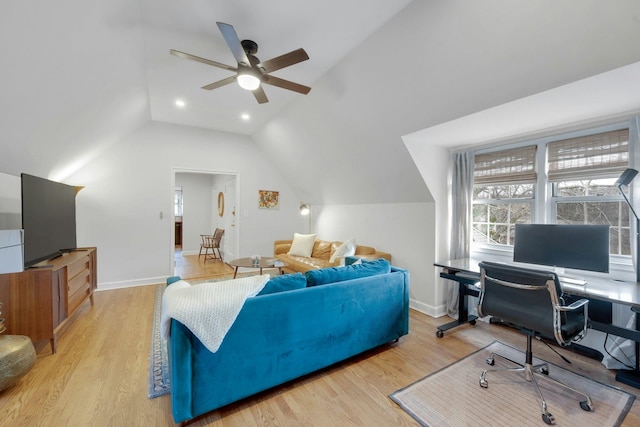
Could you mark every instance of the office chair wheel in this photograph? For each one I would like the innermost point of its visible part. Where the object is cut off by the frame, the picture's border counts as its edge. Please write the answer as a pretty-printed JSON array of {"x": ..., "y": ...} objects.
[
  {"x": 484, "y": 383},
  {"x": 585, "y": 406},
  {"x": 472, "y": 322},
  {"x": 439, "y": 333},
  {"x": 490, "y": 361},
  {"x": 544, "y": 371},
  {"x": 548, "y": 418}
]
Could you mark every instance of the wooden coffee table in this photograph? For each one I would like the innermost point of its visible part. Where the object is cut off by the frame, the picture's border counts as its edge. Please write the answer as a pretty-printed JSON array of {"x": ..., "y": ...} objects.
[{"x": 248, "y": 263}]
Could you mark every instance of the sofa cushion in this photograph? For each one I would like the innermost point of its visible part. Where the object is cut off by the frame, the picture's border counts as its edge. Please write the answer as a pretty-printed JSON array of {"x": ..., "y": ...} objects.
[
  {"x": 365, "y": 250},
  {"x": 348, "y": 248},
  {"x": 321, "y": 249},
  {"x": 302, "y": 244},
  {"x": 284, "y": 282},
  {"x": 340, "y": 274},
  {"x": 301, "y": 263}
]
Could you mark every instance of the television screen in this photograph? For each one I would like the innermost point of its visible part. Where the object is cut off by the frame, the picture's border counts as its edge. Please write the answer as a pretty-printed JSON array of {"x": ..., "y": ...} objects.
[
  {"x": 580, "y": 247},
  {"x": 48, "y": 218}
]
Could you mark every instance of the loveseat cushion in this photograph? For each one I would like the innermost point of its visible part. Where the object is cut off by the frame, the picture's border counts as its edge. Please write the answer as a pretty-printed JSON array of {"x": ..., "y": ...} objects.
[
  {"x": 285, "y": 282},
  {"x": 321, "y": 249},
  {"x": 340, "y": 274}
]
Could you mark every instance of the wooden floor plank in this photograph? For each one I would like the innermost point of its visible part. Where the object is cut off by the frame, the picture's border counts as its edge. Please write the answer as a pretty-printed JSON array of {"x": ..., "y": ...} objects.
[{"x": 98, "y": 377}]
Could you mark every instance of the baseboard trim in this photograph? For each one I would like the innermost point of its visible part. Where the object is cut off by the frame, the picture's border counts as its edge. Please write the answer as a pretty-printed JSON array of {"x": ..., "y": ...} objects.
[
  {"x": 131, "y": 283},
  {"x": 427, "y": 309}
]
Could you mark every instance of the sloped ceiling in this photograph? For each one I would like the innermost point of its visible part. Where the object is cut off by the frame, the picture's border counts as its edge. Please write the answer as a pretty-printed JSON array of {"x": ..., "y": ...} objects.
[
  {"x": 72, "y": 82},
  {"x": 436, "y": 62},
  {"x": 78, "y": 76}
]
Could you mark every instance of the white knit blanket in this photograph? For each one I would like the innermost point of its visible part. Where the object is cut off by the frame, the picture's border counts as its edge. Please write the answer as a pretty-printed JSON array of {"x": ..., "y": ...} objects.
[{"x": 208, "y": 309}]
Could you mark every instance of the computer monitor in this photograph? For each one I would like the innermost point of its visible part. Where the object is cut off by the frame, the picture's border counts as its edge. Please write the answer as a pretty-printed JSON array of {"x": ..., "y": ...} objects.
[{"x": 580, "y": 247}]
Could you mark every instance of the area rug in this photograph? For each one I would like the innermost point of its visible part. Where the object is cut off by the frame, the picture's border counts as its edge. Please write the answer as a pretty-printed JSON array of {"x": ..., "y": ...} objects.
[
  {"x": 452, "y": 396},
  {"x": 159, "y": 381}
]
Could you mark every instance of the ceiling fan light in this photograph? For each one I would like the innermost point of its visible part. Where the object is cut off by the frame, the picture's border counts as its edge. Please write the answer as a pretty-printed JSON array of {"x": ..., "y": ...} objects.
[{"x": 248, "y": 81}]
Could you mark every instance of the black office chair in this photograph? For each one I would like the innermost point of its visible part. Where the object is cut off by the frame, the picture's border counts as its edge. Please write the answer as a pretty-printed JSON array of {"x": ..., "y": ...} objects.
[{"x": 531, "y": 301}]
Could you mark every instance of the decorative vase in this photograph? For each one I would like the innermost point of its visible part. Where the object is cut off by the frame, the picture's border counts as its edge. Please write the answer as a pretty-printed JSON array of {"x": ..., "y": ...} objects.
[{"x": 17, "y": 357}]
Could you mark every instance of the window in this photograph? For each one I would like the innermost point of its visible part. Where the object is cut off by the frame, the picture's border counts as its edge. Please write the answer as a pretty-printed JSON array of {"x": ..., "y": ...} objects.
[
  {"x": 510, "y": 188},
  {"x": 503, "y": 193},
  {"x": 177, "y": 202},
  {"x": 582, "y": 173}
]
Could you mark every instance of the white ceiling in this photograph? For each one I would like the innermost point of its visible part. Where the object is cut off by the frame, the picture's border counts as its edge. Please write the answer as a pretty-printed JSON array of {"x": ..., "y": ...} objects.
[{"x": 327, "y": 30}]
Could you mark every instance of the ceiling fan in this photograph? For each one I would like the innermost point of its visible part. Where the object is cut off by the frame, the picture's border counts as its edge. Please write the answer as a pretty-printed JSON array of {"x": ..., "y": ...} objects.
[{"x": 250, "y": 72}]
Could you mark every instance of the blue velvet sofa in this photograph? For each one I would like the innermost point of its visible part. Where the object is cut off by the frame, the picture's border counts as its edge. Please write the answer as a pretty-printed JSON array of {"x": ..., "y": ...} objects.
[{"x": 281, "y": 335}]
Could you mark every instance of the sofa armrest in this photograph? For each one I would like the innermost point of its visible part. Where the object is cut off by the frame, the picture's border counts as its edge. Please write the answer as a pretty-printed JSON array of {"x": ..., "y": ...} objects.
[
  {"x": 281, "y": 246},
  {"x": 375, "y": 255}
]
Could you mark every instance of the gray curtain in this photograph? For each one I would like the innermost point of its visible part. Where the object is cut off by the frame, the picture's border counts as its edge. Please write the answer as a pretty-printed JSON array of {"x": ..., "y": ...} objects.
[{"x": 461, "y": 197}]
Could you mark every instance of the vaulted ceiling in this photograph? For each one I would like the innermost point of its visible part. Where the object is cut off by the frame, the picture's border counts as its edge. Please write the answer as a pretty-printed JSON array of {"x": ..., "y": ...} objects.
[
  {"x": 77, "y": 76},
  {"x": 327, "y": 30}
]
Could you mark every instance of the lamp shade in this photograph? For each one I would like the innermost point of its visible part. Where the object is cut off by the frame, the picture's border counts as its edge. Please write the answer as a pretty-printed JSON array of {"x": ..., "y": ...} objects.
[
  {"x": 304, "y": 209},
  {"x": 627, "y": 176}
]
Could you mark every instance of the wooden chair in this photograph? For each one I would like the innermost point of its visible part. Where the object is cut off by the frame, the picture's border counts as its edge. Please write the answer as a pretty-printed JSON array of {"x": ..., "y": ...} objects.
[{"x": 211, "y": 242}]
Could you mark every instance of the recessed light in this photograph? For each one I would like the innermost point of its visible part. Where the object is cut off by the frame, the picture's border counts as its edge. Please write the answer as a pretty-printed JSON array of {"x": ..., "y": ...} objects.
[
  {"x": 245, "y": 116},
  {"x": 180, "y": 103}
]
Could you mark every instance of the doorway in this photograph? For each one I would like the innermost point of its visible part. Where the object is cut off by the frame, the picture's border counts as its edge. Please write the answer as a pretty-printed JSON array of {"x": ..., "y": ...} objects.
[{"x": 209, "y": 201}]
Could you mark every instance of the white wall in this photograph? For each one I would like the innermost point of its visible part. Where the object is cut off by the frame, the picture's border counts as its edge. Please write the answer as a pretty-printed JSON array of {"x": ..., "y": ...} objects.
[
  {"x": 10, "y": 202},
  {"x": 405, "y": 230},
  {"x": 131, "y": 185},
  {"x": 434, "y": 163},
  {"x": 197, "y": 215}
]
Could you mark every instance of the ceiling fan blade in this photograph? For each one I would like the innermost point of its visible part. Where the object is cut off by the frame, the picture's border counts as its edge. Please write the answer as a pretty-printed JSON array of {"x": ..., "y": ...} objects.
[
  {"x": 261, "y": 97},
  {"x": 285, "y": 60},
  {"x": 286, "y": 84},
  {"x": 219, "y": 83},
  {"x": 203, "y": 60},
  {"x": 230, "y": 36}
]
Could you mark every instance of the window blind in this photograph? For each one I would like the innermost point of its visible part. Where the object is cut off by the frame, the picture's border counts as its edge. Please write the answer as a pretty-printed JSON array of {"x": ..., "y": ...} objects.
[
  {"x": 516, "y": 165},
  {"x": 600, "y": 155}
]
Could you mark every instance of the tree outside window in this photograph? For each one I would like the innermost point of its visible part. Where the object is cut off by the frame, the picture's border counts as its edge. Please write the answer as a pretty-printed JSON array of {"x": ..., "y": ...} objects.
[{"x": 577, "y": 187}]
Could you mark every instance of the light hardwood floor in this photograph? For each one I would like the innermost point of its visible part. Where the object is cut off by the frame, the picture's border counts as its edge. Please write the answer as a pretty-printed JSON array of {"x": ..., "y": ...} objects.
[{"x": 98, "y": 377}]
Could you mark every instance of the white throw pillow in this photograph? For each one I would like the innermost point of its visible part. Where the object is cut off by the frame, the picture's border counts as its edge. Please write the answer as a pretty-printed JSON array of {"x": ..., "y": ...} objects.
[
  {"x": 348, "y": 248},
  {"x": 302, "y": 244}
]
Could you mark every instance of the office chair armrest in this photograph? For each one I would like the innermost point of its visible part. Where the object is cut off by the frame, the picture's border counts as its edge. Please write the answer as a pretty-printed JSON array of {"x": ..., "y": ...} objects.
[
  {"x": 574, "y": 305},
  {"x": 580, "y": 304}
]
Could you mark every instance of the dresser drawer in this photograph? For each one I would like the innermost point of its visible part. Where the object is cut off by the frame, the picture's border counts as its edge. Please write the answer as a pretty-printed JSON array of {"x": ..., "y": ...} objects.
[
  {"x": 78, "y": 297},
  {"x": 80, "y": 281},
  {"x": 78, "y": 267}
]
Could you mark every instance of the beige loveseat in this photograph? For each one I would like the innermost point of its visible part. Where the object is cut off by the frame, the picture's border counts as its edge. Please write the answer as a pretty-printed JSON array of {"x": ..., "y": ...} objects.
[{"x": 322, "y": 252}]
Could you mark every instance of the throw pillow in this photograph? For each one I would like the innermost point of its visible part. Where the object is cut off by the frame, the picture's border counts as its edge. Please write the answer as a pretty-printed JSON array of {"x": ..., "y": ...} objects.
[
  {"x": 302, "y": 244},
  {"x": 285, "y": 282},
  {"x": 348, "y": 248},
  {"x": 354, "y": 271}
]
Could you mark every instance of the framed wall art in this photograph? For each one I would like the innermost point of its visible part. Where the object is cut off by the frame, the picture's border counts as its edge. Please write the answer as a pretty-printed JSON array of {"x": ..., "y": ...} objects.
[{"x": 268, "y": 199}]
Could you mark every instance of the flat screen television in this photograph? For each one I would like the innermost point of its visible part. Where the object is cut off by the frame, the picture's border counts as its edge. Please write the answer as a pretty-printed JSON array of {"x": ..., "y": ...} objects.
[
  {"x": 48, "y": 218},
  {"x": 580, "y": 247}
]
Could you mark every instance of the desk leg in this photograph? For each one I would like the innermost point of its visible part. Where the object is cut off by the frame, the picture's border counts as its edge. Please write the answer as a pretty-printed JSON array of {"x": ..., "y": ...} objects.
[
  {"x": 463, "y": 312},
  {"x": 628, "y": 376},
  {"x": 235, "y": 273}
]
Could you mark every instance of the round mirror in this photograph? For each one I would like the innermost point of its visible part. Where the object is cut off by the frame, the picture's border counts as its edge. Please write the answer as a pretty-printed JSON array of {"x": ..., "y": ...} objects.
[{"x": 220, "y": 203}]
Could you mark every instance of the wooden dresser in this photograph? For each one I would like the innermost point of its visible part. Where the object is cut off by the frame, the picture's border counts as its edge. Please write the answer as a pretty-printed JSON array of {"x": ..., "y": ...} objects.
[{"x": 39, "y": 301}]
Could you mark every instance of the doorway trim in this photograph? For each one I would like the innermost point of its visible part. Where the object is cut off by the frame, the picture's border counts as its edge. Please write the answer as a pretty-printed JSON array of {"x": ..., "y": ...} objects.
[{"x": 236, "y": 202}]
